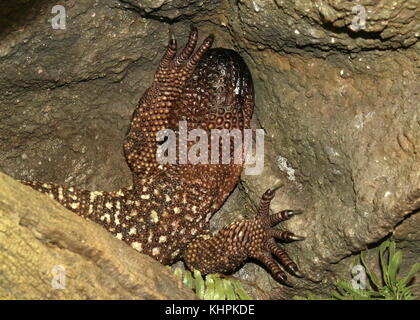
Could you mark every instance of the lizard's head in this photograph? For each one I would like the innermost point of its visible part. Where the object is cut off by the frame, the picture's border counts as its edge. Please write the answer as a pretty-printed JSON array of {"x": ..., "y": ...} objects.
[{"x": 219, "y": 94}]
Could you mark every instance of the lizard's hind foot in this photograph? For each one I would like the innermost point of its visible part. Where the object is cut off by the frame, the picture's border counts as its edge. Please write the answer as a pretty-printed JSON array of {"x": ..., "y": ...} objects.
[
  {"x": 265, "y": 246},
  {"x": 254, "y": 238}
]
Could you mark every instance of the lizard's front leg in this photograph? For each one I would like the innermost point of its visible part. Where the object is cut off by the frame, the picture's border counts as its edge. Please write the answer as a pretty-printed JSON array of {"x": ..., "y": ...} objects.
[
  {"x": 157, "y": 107},
  {"x": 255, "y": 238}
]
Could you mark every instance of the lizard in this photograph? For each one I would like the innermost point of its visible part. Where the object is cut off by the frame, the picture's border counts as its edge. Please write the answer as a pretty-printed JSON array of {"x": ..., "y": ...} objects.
[{"x": 165, "y": 213}]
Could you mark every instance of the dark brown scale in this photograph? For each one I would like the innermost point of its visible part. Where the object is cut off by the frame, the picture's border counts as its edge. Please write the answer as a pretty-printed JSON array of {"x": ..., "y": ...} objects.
[{"x": 165, "y": 213}]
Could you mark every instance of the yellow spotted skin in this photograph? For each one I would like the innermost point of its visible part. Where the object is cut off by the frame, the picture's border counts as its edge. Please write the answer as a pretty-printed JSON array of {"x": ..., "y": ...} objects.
[{"x": 166, "y": 212}]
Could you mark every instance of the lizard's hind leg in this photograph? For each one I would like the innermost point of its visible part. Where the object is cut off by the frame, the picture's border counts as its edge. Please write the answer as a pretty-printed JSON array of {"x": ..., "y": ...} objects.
[{"x": 255, "y": 238}]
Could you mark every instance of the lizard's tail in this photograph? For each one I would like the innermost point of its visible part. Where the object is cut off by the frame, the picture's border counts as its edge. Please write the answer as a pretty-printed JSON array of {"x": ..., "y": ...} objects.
[{"x": 99, "y": 206}]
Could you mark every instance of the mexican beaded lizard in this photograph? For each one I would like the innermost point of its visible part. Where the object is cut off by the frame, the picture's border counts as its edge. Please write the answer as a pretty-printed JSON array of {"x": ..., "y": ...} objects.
[{"x": 166, "y": 212}]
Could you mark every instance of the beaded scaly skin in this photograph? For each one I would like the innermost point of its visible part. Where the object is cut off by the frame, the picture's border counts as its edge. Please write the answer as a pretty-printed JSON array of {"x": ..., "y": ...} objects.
[{"x": 166, "y": 212}]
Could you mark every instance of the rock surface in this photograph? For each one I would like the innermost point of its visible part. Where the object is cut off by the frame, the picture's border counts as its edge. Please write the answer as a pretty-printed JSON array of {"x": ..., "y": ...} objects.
[
  {"x": 340, "y": 108},
  {"x": 47, "y": 252}
]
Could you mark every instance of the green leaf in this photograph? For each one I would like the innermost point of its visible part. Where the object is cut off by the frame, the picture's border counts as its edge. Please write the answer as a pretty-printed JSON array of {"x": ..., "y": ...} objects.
[
  {"x": 382, "y": 248},
  {"x": 345, "y": 286},
  {"x": 372, "y": 276},
  {"x": 348, "y": 290},
  {"x": 339, "y": 296},
  {"x": 199, "y": 284},
  {"x": 384, "y": 267},
  {"x": 394, "y": 264},
  {"x": 240, "y": 291},
  {"x": 230, "y": 294},
  {"x": 188, "y": 281},
  {"x": 219, "y": 289},
  {"x": 209, "y": 293},
  {"x": 392, "y": 289},
  {"x": 374, "y": 294},
  {"x": 414, "y": 269},
  {"x": 178, "y": 273},
  {"x": 391, "y": 248}
]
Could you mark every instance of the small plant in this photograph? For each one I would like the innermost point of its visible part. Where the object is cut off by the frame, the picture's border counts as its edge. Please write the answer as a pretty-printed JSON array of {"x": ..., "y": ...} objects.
[
  {"x": 387, "y": 287},
  {"x": 213, "y": 286}
]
